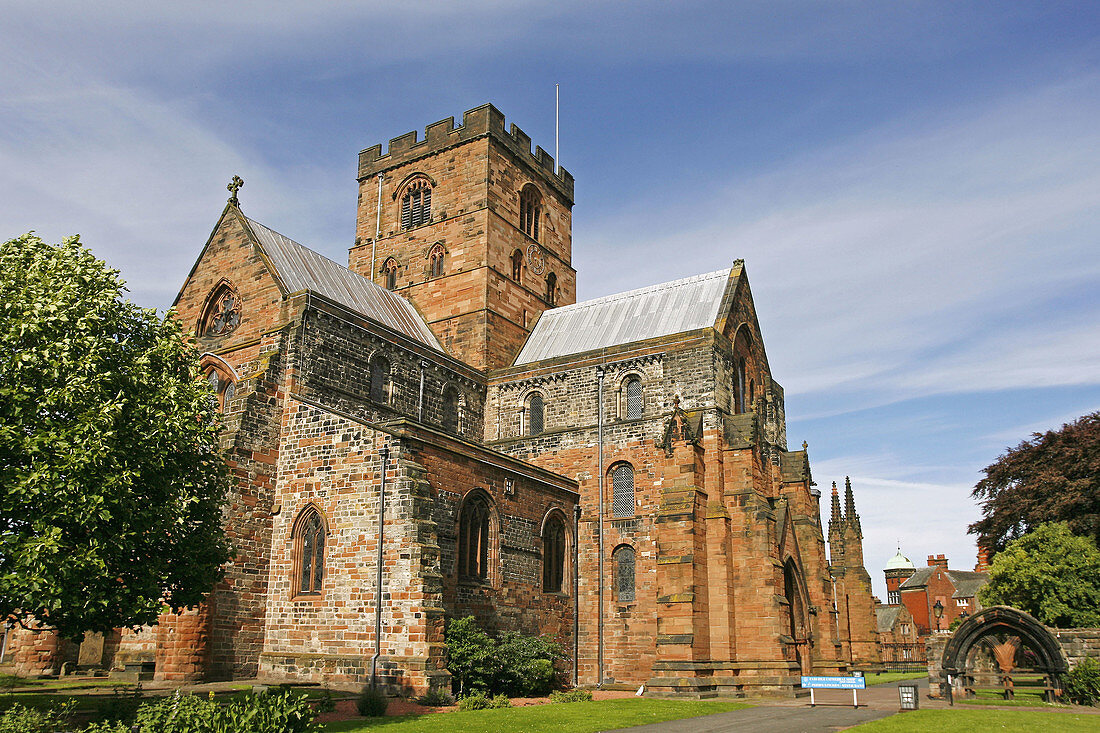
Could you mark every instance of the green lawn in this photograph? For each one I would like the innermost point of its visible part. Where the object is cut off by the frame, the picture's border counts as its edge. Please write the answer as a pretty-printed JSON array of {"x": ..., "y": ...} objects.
[
  {"x": 977, "y": 721},
  {"x": 574, "y": 717},
  {"x": 879, "y": 677}
]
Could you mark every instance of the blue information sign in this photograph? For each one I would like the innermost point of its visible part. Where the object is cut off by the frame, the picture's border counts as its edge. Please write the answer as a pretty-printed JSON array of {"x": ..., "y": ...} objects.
[{"x": 834, "y": 683}]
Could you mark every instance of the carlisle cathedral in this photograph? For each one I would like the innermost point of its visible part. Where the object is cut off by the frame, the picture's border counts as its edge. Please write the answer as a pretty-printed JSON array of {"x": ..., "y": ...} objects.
[{"x": 438, "y": 429}]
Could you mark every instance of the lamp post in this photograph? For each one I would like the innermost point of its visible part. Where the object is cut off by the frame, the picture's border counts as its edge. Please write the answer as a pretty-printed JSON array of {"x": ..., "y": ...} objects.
[{"x": 937, "y": 609}]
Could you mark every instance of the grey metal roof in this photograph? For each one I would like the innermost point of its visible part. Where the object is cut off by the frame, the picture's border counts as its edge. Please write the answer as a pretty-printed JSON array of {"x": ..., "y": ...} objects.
[
  {"x": 300, "y": 268},
  {"x": 918, "y": 579},
  {"x": 886, "y": 617},
  {"x": 967, "y": 583},
  {"x": 659, "y": 310}
]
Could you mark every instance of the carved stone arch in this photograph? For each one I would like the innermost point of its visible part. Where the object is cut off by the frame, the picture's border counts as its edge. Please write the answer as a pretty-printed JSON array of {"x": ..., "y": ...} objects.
[
  {"x": 438, "y": 243},
  {"x": 215, "y": 319},
  {"x": 1012, "y": 622},
  {"x": 303, "y": 512},
  {"x": 798, "y": 608},
  {"x": 407, "y": 180},
  {"x": 207, "y": 360}
]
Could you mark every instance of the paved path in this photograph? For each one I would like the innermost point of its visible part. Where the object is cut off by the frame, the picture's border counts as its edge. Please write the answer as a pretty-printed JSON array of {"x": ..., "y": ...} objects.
[{"x": 834, "y": 712}]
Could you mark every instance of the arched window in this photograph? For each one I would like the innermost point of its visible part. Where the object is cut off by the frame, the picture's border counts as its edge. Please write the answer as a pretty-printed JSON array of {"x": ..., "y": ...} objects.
[
  {"x": 752, "y": 393},
  {"x": 517, "y": 265},
  {"x": 633, "y": 404},
  {"x": 553, "y": 554},
  {"x": 530, "y": 208},
  {"x": 309, "y": 536},
  {"x": 416, "y": 204},
  {"x": 551, "y": 288},
  {"x": 535, "y": 414},
  {"x": 389, "y": 272},
  {"x": 473, "y": 538},
  {"x": 223, "y": 312},
  {"x": 623, "y": 559},
  {"x": 450, "y": 409},
  {"x": 739, "y": 387},
  {"x": 435, "y": 261},
  {"x": 223, "y": 387},
  {"x": 380, "y": 379},
  {"x": 622, "y": 490}
]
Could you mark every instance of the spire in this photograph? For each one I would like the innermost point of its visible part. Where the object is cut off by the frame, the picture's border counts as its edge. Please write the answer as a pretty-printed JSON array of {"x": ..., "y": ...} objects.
[
  {"x": 850, "y": 506},
  {"x": 836, "y": 506}
]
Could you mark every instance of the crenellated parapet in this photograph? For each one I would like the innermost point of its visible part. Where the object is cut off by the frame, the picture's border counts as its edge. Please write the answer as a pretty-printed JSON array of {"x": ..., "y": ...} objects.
[{"x": 483, "y": 121}]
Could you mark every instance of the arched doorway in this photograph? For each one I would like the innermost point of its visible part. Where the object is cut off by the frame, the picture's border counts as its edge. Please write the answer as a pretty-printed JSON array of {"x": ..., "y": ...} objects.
[
  {"x": 799, "y": 627},
  {"x": 1007, "y": 650}
]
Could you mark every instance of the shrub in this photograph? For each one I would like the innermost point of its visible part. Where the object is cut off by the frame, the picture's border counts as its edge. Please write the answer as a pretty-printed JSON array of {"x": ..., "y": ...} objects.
[
  {"x": 575, "y": 695},
  {"x": 372, "y": 703},
  {"x": 121, "y": 706},
  {"x": 479, "y": 700},
  {"x": 19, "y": 719},
  {"x": 436, "y": 698},
  {"x": 274, "y": 711},
  {"x": 1083, "y": 683},
  {"x": 514, "y": 664}
]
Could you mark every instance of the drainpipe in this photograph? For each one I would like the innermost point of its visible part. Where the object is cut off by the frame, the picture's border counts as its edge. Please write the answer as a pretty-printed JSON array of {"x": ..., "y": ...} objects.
[
  {"x": 576, "y": 593},
  {"x": 420, "y": 401},
  {"x": 384, "y": 452},
  {"x": 377, "y": 227},
  {"x": 600, "y": 513}
]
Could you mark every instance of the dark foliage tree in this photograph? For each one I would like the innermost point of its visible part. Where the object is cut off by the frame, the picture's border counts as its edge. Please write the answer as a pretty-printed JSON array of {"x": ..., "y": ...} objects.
[
  {"x": 110, "y": 478},
  {"x": 1054, "y": 477}
]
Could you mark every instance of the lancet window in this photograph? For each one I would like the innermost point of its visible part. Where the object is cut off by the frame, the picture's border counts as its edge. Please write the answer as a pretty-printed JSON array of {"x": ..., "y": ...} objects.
[{"x": 553, "y": 554}]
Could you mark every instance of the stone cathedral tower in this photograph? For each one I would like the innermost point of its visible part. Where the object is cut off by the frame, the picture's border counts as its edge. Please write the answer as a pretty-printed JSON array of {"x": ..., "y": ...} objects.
[
  {"x": 473, "y": 228},
  {"x": 855, "y": 605}
]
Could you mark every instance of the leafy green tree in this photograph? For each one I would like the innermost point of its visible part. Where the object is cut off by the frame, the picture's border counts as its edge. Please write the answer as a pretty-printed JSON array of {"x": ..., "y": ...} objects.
[
  {"x": 110, "y": 478},
  {"x": 1054, "y": 477},
  {"x": 1052, "y": 574}
]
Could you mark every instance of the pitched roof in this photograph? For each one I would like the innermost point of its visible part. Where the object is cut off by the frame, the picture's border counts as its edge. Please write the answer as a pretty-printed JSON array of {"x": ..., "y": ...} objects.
[
  {"x": 886, "y": 617},
  {"x": 636, "y": 315},
  {"x": 918, "y": 579},
  {"x": 300, "y": 268},
  {"x": 967, "y": 583}
]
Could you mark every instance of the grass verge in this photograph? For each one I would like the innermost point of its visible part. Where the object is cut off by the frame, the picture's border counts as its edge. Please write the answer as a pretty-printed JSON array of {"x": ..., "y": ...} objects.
[
  {"x": 576, "y": 717},
  {"x": 975, "y": 721},
  {"x": 879, "y": 678}
]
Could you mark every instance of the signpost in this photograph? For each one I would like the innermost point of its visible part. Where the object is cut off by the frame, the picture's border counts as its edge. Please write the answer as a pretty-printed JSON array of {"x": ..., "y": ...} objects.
[{"x": 835, "y": 683}]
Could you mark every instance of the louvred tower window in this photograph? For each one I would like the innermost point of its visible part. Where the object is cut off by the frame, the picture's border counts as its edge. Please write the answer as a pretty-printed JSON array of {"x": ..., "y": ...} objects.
[
  {"x": 416, "y": 204},
  {"x": 530, "y": 209}
]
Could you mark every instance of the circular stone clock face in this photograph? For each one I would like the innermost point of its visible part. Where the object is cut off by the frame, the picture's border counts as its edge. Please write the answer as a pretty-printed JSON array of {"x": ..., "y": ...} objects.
[{"x": 536, "y": 260}]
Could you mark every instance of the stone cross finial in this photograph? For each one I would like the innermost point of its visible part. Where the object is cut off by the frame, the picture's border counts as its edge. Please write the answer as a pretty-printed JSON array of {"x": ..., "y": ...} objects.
[{"x": 233, "y": 187}]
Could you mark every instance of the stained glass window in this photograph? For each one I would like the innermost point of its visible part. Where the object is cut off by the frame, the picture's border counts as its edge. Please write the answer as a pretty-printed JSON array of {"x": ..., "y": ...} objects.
[
  {"x": 312, "y": 553},
  {"x": 623, "y": 558}
]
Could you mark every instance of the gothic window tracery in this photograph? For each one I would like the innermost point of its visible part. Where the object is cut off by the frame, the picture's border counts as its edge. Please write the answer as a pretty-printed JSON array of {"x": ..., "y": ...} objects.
[
  {"x": 389, "y": 273},
  {"x": 435, "y": 261},
  {"x": 622, "y": 490},
  {"x": 624, "y": 577},
  {"x": 553, "y": 554},
  {"x": 310, "y": 551},
  {"x": 416, "y": 204},
  {"x": 530, "y": 209},
  {"x": 223, "y": 313},
  {"x": 474, "y": 534}
]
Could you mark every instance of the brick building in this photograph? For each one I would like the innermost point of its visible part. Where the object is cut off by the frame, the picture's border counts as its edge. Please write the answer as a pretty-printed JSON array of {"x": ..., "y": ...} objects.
[
  {"x": 613, "y": 473},
  {"x": 955, "y": 590}
]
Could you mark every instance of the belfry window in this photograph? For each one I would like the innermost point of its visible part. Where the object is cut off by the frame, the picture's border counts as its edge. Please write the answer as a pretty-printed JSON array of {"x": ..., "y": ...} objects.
[
  {"x": 389, "y": 272},
  {"x": 535, "y": 414},
  {"x": 623, "y": 559},
  {"x": 473, "y": 538},
  {"x": 435, "y": 261},
  {"x": 517, "y": 265},
  {"x": 530, "y": 209},
  {"x": 223, "y": 313},
  {"x": 551, "y": 288},
  {"x": 310, "y": 546},
  {"x": 380, "y": 379},
  {"x": 553, "y": 555},
  {"x": 416, "y": 204},
  {"x": 622, "y": 490}
]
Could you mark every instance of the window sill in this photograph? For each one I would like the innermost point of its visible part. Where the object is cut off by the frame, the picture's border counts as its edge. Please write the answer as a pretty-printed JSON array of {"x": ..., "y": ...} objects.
[{"x": 313, "y": 598}]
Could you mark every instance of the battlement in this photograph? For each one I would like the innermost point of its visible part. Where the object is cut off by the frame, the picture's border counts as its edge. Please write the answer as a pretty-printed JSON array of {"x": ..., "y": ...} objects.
[{"x": 483, "y": 121}]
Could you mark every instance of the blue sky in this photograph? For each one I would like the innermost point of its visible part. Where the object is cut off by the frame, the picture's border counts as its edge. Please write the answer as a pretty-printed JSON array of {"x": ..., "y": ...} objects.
[{"x": 915, "y": 186}]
